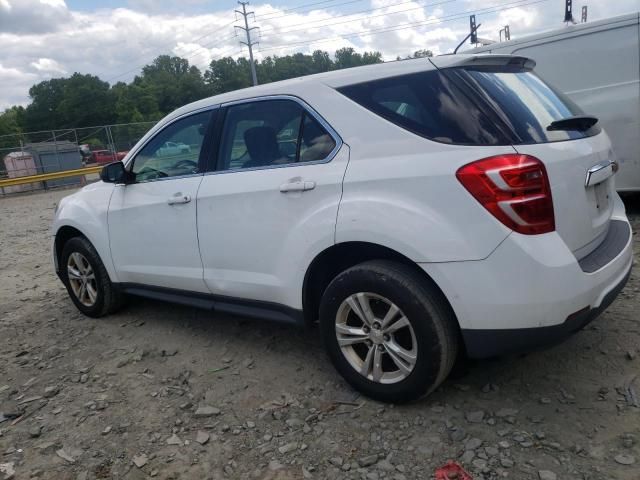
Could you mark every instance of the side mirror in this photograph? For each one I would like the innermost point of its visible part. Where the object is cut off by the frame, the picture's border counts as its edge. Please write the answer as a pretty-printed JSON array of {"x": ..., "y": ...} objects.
[{"x": 115, "y": 173}]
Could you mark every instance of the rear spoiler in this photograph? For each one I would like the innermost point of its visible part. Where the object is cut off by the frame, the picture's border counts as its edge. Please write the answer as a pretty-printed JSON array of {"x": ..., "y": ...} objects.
[{"x": 483, "y": 60}]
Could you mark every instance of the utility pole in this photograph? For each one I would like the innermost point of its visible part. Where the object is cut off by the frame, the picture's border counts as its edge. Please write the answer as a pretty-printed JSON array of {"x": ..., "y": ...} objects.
[
  {"x": 507, "y": 33},
  {"x": 249, "y": 43}
]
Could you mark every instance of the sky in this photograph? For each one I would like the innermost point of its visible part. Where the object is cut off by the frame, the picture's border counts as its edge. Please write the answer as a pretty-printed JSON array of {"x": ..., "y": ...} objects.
[{"x": 43, "y": 39}]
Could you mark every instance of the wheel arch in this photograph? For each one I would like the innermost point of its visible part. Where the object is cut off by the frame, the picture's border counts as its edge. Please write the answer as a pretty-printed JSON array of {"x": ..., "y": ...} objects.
[
  {"x": 63, "y": 235},
  {"x": 341, "y": 256},
  {"x": 66, "y": 232}
]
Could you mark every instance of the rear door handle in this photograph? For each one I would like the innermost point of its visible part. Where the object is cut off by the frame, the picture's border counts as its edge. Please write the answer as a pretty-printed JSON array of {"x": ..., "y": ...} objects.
[
  {"x": 179, "y": 198},
  {"x": 298, "y": 186}
]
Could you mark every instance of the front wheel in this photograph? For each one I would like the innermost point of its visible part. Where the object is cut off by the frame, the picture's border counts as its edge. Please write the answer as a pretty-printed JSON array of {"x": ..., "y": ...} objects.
[
  {"x": 87, "y": 280},
  {"x": 388, "y": 331}
]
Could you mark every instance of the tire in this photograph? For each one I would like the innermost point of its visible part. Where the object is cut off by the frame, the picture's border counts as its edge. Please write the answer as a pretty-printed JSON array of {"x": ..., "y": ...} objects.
[
  {"x": 426, "y": 332},
  {"x": 108, "y": 298}
]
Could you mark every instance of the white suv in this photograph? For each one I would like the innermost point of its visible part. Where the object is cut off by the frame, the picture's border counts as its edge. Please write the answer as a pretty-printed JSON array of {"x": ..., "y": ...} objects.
[{"x": 418, "y": 210}]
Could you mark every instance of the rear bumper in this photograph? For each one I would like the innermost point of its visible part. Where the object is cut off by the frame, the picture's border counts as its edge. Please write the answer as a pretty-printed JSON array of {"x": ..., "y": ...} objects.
[
  {"x": 531, "y": 291},
  {"x": 491, "y": 343}
]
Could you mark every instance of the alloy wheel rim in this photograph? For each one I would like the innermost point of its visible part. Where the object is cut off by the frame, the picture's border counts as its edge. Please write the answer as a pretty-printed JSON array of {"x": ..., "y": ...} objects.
[
  {"x": 376, "y": 338},
  {"x": 82, "y": 279}
]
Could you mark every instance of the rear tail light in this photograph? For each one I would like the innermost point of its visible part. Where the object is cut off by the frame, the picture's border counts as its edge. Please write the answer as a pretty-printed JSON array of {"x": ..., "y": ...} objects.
[{"x": 515, "y": 189}]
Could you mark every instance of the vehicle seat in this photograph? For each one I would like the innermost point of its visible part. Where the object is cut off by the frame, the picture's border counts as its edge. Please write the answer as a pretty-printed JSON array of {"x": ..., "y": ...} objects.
[
  {"x": 316, "y": 143},
  {"x": 262, "y": 146}
]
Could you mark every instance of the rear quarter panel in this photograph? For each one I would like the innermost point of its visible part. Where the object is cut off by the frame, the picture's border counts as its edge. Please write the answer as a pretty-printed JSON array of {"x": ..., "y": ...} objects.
[{"x": 400, "y": 191}]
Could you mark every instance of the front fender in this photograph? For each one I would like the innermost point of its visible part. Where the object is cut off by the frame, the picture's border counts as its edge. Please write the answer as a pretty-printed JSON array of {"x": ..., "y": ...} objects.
[{"x": 86, "y": 211}]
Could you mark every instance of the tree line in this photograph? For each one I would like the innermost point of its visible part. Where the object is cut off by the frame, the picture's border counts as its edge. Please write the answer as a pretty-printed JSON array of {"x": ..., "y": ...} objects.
[{"x": 162, "y": 86}]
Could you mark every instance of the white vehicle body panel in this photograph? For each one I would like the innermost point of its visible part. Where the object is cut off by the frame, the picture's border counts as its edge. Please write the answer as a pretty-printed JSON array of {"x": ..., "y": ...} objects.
[
  {"x": 155, "y": 243},
  {"x": 395, "y": 185},
  {"x": 86, "y": 211},
  {"x": 255, "y": 238},
  {"x": 528, "y": 282},
  {"x": 582, "y": 213},
  {"x": 597, "y": 64}
]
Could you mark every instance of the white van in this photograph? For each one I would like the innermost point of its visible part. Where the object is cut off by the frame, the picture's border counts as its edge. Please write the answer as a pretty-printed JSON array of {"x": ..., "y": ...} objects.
[{"x": 597, "y": 65}]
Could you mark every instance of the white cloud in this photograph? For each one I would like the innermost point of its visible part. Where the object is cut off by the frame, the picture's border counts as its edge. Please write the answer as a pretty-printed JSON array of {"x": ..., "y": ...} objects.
[
  {"x": 33, "y": 16},
  {"x": 48, "y": 65},
  {"x": 15, "y": 85},
  {"x": 44, "y": 38}
]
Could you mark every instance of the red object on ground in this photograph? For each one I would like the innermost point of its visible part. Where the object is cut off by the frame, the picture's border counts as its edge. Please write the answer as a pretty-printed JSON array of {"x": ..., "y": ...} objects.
[
  {"x": 104, "y": 157},
  {"x": 452, "y": 471}
]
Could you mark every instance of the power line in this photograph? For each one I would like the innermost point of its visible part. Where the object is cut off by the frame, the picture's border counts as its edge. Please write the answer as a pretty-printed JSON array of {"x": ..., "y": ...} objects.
[
  {"x": 167, "y": 44},
  {"x": 192, "y": 53},
  {"x": 457, "y": 16},
  {"x": 303, "y": 6},
  {"x": 490, "y": 9},
  {"x": 218, "y": 41},
  {"x": 206, "y": 46},
  {"x": 384, "y": 14}
]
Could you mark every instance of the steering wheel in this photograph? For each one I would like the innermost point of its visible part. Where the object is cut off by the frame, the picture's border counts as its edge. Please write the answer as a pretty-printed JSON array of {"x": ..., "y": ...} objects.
[
  {"x": 186, "y": 164},
  {"x": 149, "y": 173}
]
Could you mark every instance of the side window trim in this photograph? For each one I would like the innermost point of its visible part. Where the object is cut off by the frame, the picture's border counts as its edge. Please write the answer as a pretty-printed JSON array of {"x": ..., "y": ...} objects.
[
  {"x": 307, "y": 110},
  {"x": 300, "y": 134},
  {"x": 205, "y": 152}
]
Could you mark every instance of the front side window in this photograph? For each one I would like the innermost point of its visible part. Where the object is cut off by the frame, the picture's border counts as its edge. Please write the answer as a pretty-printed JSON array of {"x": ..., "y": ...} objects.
[
  {"x": 173, "y": 152},
  {"x": 269, "y": 133}
]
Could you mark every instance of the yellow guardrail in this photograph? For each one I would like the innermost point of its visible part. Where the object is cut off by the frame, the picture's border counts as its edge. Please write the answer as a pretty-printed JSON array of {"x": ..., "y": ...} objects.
[{"x": 43, "y": 177}]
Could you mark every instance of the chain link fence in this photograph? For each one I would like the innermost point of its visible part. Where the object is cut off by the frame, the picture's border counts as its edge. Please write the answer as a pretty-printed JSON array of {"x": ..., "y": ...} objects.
[{"x": 48, "y": 151}]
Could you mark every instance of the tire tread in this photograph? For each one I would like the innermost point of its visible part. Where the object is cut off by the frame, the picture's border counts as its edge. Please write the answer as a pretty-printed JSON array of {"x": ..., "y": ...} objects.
[
  {"x": 430, "y": 298},
  {"x": 113, "y": 297}
]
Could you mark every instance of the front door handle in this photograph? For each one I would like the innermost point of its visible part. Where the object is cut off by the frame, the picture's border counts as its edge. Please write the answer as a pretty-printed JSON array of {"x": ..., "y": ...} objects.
[
  {"x": 179, "y": 198},
  {"x": 298, "y": 186}
]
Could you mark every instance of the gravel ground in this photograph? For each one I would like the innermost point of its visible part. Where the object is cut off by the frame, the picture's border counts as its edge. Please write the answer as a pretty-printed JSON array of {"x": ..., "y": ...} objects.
[{"x": 168, "y": 392}]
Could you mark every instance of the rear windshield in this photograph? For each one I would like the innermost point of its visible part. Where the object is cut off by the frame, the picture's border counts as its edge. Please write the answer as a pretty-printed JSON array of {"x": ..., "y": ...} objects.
[{"x": 465, "y": 106}]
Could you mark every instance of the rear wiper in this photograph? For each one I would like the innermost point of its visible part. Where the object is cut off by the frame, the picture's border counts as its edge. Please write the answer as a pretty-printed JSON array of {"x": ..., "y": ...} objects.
[{"x": 579, "y": 123}]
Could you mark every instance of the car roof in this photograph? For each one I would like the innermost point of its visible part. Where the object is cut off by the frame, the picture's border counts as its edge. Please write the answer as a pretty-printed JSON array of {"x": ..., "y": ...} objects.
[{"x": 340, "y": 78}]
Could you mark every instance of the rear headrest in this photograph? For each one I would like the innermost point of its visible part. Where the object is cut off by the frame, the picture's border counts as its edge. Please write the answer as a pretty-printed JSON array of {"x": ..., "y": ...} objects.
[{"x": 262, "y": 145}]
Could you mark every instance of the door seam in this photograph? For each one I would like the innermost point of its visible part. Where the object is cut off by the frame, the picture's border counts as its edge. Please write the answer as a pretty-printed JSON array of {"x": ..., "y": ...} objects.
[{"x": 344, "y": 175}]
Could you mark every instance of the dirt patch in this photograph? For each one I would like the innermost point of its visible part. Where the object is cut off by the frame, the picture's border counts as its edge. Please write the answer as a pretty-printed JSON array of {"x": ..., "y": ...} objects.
[{"x": 167, "y": 392}]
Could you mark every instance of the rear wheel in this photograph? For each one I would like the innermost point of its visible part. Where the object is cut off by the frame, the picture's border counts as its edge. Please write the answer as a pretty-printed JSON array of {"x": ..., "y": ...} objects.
[
  {"x": 87, "y": 280},
  {"x": 388, "y": 331}
]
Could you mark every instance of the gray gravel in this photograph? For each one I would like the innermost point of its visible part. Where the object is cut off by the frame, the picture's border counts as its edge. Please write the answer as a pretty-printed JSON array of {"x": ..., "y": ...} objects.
[{"x": 168, "y": 392}]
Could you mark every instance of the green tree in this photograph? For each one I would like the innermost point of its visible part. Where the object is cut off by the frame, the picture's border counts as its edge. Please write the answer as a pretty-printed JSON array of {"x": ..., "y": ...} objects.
[
  {"x": 41, "y": 114},
  {"x": 225, "y": 75},
  {"x": 164, "y": 85},
  {"x": 86, "y": 101},
  {"x": 422, "y": 54},
  {"x": 172, "y": 82},
  {"x": 321, "y": 61},
  {"x": 11, "y": 121},
  {"x": 347, "y": 57},
  {"x": 134, "y": 103}
]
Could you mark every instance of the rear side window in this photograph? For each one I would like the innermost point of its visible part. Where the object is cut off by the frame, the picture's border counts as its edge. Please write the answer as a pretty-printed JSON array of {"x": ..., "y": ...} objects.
[
  {"x": 526, "y": 104},
  {"x": 464, "y": 106},
  {"x": 428, "y": 104}
]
